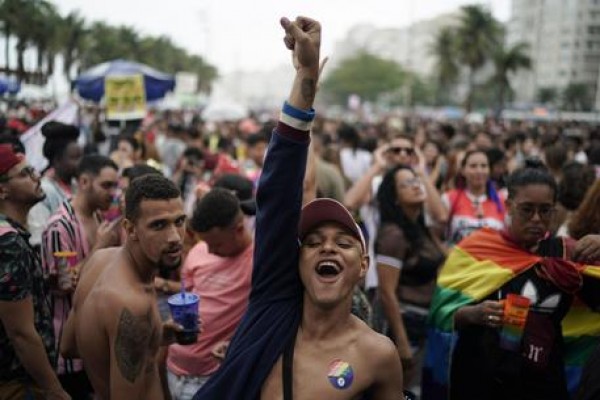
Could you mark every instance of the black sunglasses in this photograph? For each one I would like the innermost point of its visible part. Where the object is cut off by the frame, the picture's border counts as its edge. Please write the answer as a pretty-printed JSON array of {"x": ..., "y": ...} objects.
[
  {"x": 527, "y": 211},
  {"x": 27, "y": 171},
  {"x": 397, "y": 150}
]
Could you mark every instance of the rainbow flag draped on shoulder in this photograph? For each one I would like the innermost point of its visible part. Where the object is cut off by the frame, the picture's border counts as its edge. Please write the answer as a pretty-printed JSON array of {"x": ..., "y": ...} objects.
[{"x": 477, "y": 267}]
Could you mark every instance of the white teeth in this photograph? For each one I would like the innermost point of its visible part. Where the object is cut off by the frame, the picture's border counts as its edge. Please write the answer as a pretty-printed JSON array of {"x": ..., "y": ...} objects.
[{"x": 330, "y": 263}]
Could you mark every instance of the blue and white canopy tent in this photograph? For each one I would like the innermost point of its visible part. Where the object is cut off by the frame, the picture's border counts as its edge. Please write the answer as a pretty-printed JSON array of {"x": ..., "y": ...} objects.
[
  {"x": 90, "y": 84},
  {"x": 10, "y": 86}
]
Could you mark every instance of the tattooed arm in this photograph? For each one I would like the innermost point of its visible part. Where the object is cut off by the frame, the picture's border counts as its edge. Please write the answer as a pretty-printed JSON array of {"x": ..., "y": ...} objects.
[
  {"x": 303, "y": 37},
  {"x": 133, "y": 336}
]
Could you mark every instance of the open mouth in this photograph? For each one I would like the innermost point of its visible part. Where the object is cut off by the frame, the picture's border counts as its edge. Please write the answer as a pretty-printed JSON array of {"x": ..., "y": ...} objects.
[{"x": 328, "y": 269}]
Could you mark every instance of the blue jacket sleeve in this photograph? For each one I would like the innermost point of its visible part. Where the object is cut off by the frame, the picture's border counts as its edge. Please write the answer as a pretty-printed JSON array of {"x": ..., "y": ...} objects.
[{"x": 279, "y": 200}]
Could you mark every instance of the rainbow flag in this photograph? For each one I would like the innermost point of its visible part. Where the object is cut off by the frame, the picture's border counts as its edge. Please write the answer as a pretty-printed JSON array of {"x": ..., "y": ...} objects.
[{"x": 477, "y": 267}]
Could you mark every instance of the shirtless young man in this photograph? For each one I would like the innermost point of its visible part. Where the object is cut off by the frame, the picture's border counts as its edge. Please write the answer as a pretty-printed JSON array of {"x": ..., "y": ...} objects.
[
  {"x": 298, "y": 338},
  {"x": 114, "y": 325}
]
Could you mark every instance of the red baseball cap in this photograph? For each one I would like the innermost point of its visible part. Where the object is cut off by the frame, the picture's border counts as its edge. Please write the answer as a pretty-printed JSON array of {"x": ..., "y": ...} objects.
[
  {"x": 8, "y": 158},
  {"x": 324, "y": 210}
]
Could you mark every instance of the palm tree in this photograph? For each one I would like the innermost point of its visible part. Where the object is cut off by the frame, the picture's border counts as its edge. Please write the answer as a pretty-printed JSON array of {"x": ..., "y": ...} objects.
[
  {"x": 45, "y": 36},
  {"x": 9, "y": 16},
  {"x": 26, "y": 17},
  {"x": 508, "y": 61},
  {"x": 476, "y": 36},
  {"x": 73, "y": 35},
  {"x": 576, "y": 97},
  {"x": 446, "y": 66},
  {"x": 547, "y": 95}
]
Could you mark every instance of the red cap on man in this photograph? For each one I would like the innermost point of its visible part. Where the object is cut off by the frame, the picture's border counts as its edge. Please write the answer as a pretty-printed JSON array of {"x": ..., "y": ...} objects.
[
  {"x": 8, "y": 158},
  {"x": 323, "y": 210}
]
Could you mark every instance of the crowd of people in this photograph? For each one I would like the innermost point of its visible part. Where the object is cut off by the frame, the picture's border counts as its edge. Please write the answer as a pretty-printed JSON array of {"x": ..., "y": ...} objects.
[{"x": 332, "y": 259}]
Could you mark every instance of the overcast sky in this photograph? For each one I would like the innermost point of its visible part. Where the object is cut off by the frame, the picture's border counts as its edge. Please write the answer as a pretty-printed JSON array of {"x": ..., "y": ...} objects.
[{"x": 238, "y": 34}]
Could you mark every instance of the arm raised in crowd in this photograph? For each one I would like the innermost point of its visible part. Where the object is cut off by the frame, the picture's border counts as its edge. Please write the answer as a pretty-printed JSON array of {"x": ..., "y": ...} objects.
[
  {"x": 280, "y": 189},
  {"x": 433, "y": 203},
  {"x": 361, "y": 192}
]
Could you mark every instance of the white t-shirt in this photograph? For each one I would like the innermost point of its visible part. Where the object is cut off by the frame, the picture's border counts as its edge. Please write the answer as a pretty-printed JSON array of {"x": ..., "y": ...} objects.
[{"x": 355, "y": 163}]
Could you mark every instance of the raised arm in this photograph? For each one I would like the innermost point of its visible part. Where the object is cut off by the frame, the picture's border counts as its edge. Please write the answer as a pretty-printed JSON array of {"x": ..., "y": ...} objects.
[
  {"x": 360, "y": 193},
  {"x": 280, "y": 189},
  {"x": 433, "y": 203}
]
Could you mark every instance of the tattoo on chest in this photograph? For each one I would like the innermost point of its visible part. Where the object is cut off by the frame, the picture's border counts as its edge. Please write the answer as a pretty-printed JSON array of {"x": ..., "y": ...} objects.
[{"x": 132, "y": 343}]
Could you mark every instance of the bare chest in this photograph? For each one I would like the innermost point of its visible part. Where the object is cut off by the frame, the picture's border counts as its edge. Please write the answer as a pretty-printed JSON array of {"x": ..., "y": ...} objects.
[
  {"x": 336, "y": 374},
  {"x": 90, "y": 227}
]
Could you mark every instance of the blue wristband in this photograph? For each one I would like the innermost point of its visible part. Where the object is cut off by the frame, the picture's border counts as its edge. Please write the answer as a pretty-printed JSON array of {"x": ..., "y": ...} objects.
[{"x": 297, "y": 113}]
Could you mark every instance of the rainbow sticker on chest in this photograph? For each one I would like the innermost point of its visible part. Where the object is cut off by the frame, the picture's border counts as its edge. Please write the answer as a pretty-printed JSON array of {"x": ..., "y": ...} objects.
[{"x": 340, "y": 374}]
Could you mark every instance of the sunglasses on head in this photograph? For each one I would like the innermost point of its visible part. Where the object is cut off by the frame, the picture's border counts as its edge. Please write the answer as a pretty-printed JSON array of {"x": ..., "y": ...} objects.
[{"x": 397, "y": 150}]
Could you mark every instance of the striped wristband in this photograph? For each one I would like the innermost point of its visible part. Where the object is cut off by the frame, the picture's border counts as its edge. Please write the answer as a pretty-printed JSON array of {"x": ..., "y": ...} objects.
[{"x": 297, "y": 118}]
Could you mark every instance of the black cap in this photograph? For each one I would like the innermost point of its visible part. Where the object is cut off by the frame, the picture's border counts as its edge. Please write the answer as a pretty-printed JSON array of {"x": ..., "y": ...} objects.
[{"x": 242, "y": 187}]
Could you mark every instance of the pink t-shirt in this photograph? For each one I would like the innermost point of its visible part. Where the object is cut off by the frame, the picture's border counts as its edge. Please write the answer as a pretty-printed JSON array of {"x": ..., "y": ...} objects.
[{"x": 223, "y": 284}]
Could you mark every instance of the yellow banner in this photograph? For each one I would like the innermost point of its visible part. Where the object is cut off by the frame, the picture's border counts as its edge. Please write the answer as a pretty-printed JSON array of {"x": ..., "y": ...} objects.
[{"x": 125, "y": 97}]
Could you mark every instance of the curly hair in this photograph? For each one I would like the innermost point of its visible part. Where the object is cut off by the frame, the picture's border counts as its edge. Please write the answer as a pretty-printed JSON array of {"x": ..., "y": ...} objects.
[
  {"x": 391, "y": 212},
  {"x": 148, "y": 187},
  {"x": 219, "y": 208},
  {"x": 586, "y": 220},
  {"x": 533, "y": 173}
]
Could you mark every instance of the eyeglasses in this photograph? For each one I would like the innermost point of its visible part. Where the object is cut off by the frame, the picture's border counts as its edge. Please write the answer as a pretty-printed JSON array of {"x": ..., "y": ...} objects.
[
  {"x": 397, "y": 150},
  {"x": 409, "y": 183},
  {"x": 527, "y": 211},
  {"x": 27, "y": 171}
]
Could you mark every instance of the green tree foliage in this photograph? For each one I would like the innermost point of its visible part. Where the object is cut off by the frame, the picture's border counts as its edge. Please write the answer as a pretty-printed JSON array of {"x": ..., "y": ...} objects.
[
  {"x": 547, "y": 95},
  {"x": 366, "y": 75},
  {"x": 577, "y": 97},
  {"x": 507, "y": 61},
  {"x": 107, "y": 42},
  {"x": 477, "y": 35},
  {"x": 73, "y": 39},
  {"x": 447, "y": 69},
  {"x": 475, "y": 42},
  {"x": 37, "y": 24},
  {"x": 45, "y": 36},
  {"x": 9, "y": 17}
]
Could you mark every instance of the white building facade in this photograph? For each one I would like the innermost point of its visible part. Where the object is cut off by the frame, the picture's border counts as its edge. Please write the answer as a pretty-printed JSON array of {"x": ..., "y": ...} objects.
[{"x": 564, "y": 42}]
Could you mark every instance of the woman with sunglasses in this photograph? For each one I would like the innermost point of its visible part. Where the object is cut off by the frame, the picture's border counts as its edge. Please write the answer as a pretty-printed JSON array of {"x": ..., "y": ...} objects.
[
  {"x": 474, "y": 203},
  {"x": 502, "y": 302},
  {"x": 408, "y": 258}
]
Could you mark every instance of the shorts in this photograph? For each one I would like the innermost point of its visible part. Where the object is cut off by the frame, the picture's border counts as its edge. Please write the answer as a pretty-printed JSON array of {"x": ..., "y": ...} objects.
[{"x": 184, "y": 387}]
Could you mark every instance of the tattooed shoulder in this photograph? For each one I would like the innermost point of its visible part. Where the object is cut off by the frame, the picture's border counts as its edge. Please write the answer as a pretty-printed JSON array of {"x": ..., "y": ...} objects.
[{"x": 132, "y": 343}]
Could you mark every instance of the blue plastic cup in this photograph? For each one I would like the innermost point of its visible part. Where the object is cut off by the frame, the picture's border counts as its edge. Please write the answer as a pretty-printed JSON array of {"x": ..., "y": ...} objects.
[{"x": 184, "y": 310}]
